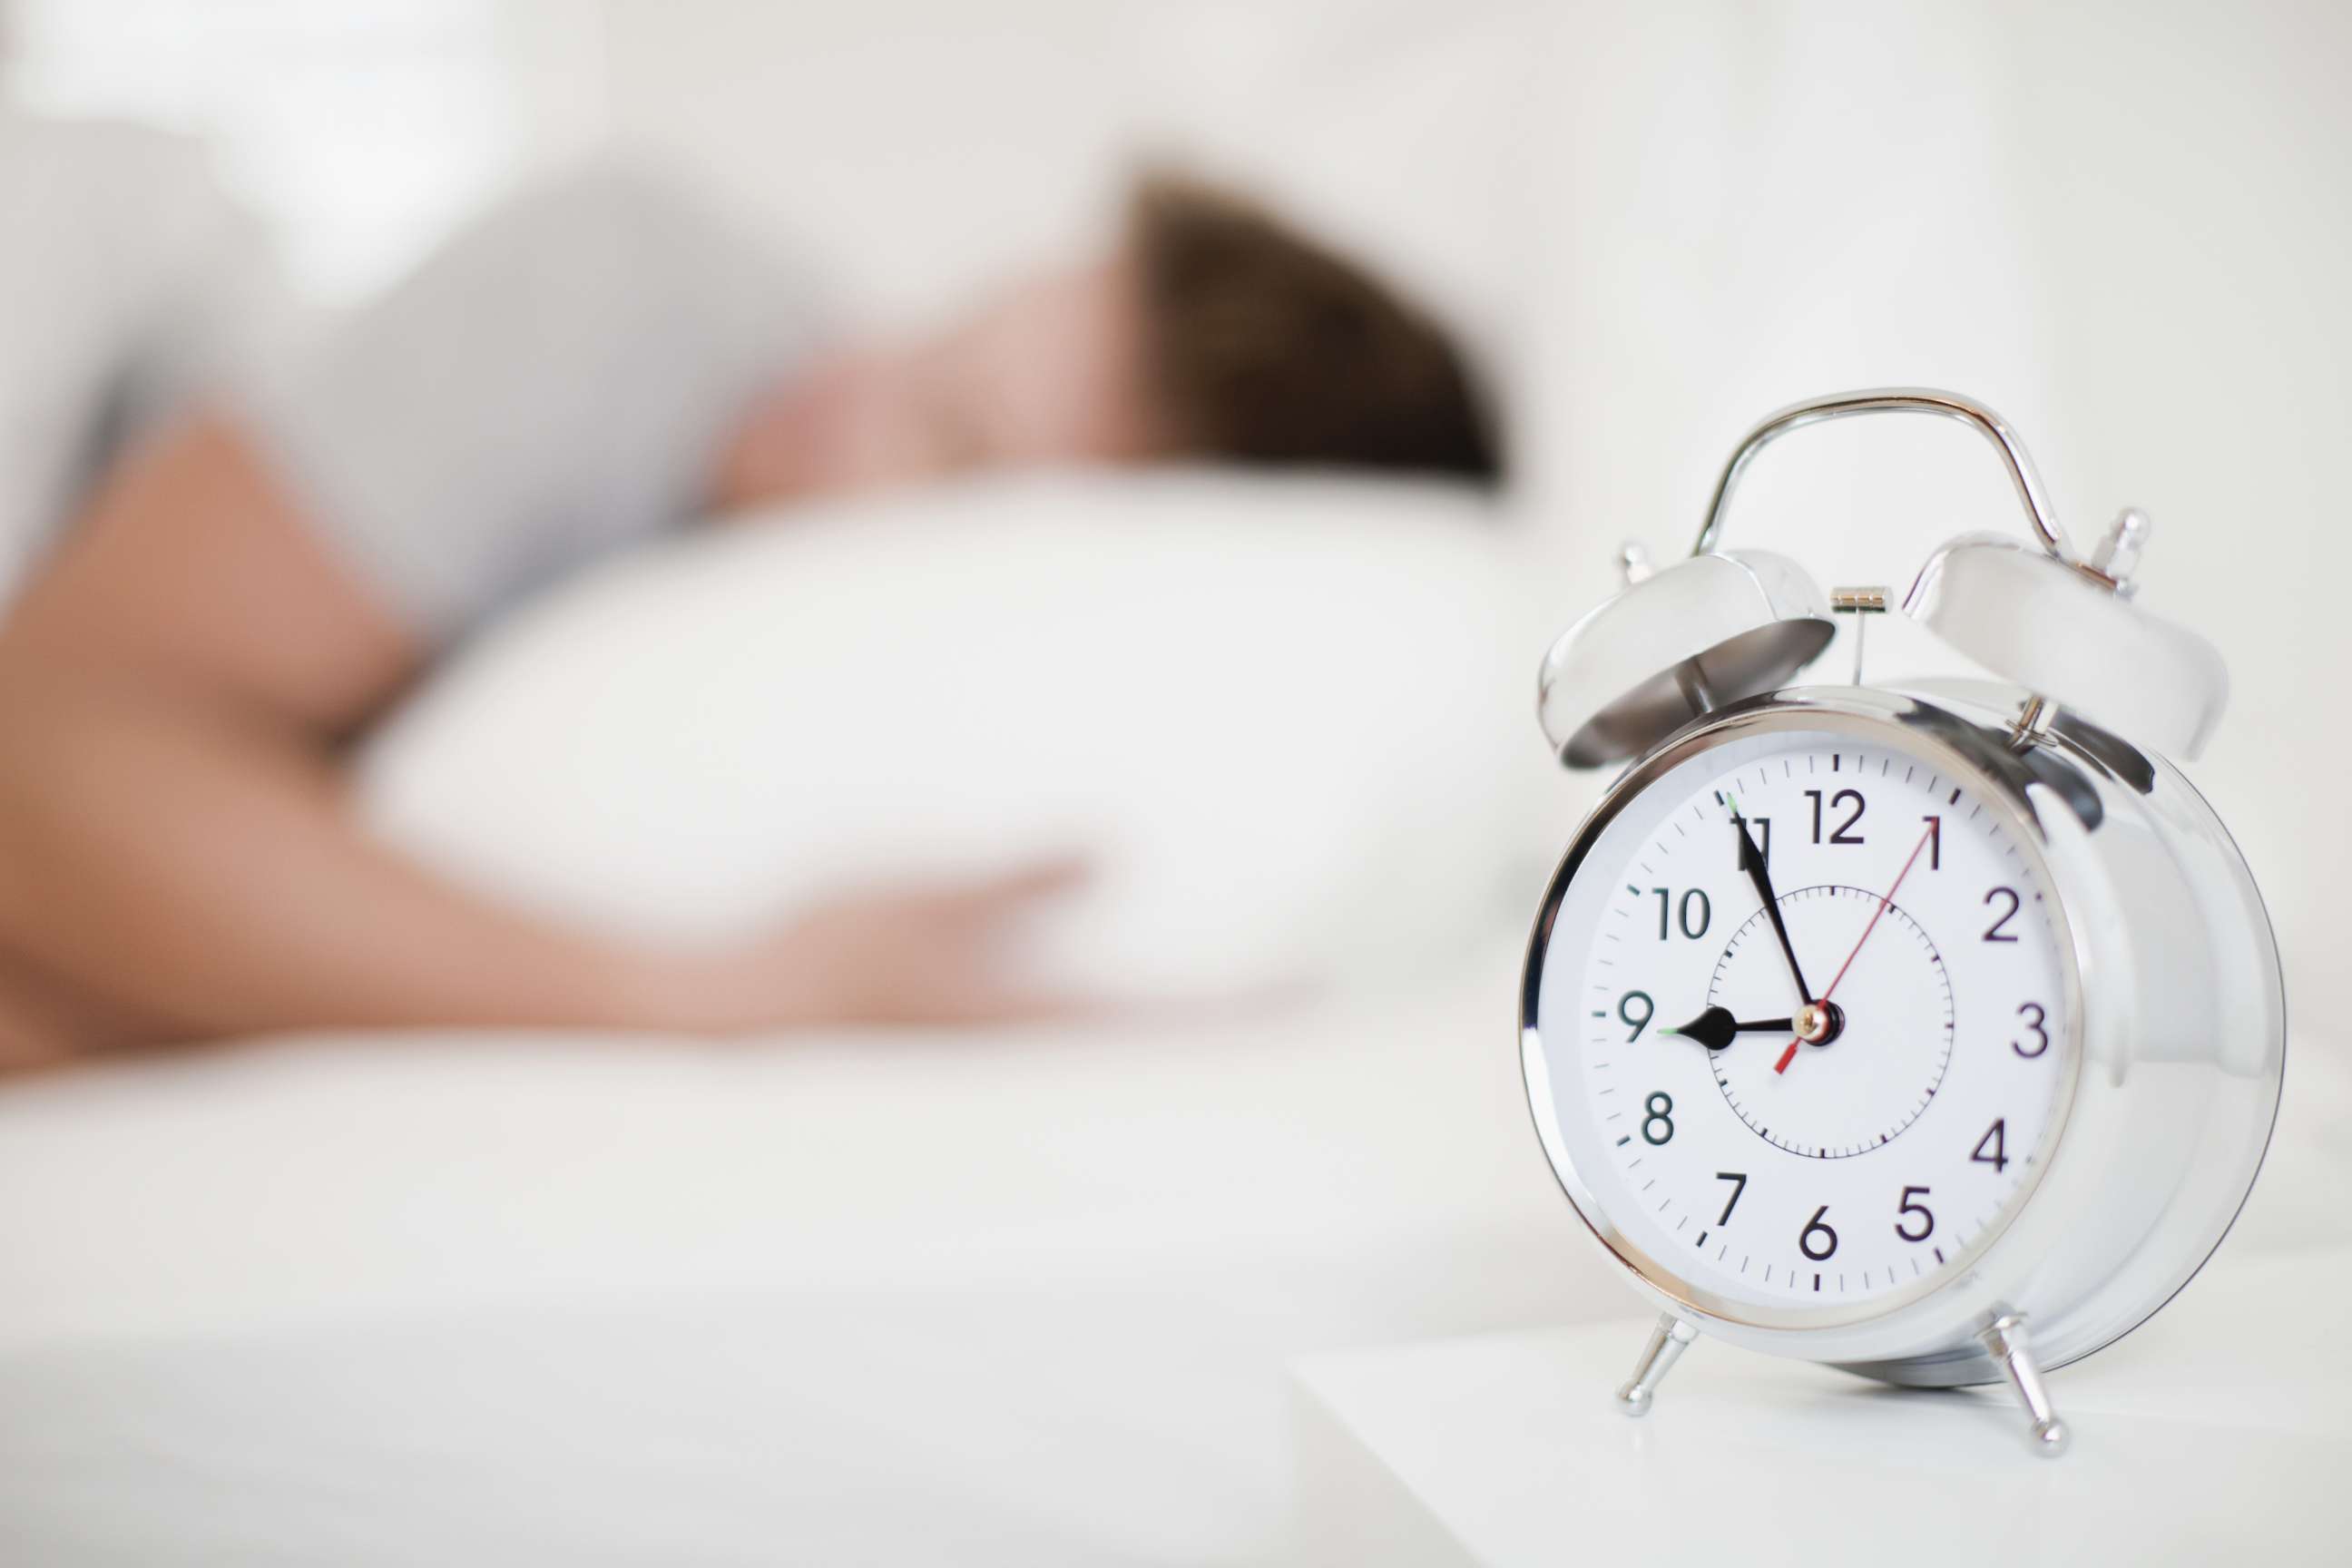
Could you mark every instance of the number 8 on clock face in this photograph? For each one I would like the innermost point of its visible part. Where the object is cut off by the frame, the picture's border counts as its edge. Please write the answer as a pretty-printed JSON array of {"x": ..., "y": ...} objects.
[{"x": 1805, "y": 1004}]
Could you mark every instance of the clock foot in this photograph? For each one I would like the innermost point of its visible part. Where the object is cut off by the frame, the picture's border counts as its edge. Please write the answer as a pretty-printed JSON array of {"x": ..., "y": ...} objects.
[
  {"x": 1658, "y": 1357},
  {"x": 2007, "y": 1340}
]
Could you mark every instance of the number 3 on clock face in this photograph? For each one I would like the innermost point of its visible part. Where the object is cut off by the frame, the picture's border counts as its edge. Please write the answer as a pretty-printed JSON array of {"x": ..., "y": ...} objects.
[{"x": 1798, "y": 1023}]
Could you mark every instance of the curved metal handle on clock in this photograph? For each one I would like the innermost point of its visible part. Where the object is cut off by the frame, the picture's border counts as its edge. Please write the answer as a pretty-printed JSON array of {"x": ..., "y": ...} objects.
[{"x": 1893, "y": 400}]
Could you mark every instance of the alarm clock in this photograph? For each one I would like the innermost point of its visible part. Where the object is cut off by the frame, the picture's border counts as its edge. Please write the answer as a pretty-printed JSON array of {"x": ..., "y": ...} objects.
[{"x": 1931, "y": 1030}]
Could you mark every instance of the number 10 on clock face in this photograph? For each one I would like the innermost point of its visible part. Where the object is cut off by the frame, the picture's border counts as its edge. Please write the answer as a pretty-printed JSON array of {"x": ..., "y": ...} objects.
[{"x": 1800, "y": 1022}]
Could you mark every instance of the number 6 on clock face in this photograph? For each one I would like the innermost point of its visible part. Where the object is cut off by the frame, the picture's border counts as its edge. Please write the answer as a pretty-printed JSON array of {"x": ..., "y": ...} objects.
[{"x": 1802, "y": 1084}]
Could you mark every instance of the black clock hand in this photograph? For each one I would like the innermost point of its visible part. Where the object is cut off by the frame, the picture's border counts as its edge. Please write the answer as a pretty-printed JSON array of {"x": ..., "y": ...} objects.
[
  {"x": 1752, "y": 862},
  {"x": 1715, "y": 1027}
]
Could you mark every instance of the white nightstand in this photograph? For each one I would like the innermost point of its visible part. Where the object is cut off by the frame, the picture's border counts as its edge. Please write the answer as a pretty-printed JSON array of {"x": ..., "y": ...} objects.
[{"x": 2217, "y": 1432}]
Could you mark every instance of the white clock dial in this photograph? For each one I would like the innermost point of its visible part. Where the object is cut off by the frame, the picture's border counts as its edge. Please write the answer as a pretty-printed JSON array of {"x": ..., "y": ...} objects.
[{"x": 1825, "y": 1098}]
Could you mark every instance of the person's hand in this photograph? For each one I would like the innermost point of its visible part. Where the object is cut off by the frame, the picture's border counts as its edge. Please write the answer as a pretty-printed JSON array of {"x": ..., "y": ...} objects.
[{"x": 941, "y": 954}]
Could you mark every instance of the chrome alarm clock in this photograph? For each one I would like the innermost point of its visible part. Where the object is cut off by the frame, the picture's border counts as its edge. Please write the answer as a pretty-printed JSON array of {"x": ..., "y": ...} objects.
[{"x": 1931, "y": 1030}]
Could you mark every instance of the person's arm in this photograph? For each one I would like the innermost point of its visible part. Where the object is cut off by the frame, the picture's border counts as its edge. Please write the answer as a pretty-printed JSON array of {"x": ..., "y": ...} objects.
[{"x": 174, "y": 841}]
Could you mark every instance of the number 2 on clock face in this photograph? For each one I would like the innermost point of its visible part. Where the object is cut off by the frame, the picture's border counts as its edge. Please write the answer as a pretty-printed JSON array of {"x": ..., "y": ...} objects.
[{"x": 1804, "y": 1020}]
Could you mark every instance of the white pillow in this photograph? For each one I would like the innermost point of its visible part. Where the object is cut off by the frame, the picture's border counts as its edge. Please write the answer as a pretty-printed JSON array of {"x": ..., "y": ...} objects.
[{"x": 1289, "y": 719}]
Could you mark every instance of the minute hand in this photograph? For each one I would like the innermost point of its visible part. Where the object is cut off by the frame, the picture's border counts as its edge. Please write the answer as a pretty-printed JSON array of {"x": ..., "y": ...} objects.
[{"x": 1752, "y": 862}]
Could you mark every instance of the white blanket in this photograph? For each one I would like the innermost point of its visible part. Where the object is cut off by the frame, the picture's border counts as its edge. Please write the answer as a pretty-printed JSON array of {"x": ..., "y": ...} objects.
[{"x": 1019, "y": 1297}]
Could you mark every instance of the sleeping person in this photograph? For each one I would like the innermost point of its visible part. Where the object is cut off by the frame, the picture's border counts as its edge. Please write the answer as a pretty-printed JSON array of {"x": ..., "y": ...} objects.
[{"x": 256, "y": 580}]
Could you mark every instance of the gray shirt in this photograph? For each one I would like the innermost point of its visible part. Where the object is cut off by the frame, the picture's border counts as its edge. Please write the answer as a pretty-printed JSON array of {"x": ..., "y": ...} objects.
[{"x": 553, "y": 383}]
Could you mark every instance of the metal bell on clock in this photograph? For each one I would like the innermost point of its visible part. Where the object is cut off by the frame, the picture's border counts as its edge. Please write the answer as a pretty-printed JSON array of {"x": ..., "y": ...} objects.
[
  {"x": 1674, "y": 643},
  {"x": 2069, "y": 632}
]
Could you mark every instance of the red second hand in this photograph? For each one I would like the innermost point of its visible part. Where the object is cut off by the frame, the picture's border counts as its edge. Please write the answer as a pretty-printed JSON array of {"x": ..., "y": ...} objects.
[{"x": 1790, "y": 1054}]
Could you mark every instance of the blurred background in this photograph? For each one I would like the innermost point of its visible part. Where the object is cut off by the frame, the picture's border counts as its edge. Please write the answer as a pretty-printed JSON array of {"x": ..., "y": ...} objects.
[
  {"x": 320, "y": 1281},
  {"x": 2119, "y": 225}
]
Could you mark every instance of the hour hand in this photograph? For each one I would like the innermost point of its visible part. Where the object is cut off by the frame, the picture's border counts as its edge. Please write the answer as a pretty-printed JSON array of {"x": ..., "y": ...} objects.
[{"x": 1716, "y": 1028}]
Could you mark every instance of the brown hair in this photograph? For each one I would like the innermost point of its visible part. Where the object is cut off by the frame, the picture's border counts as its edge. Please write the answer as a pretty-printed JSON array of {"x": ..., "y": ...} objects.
[{"x": 1261, "y": 346}]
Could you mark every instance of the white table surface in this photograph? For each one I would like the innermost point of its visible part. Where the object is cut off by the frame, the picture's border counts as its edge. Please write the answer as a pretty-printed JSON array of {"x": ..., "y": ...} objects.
[{"x": 2218, "y": 1431}]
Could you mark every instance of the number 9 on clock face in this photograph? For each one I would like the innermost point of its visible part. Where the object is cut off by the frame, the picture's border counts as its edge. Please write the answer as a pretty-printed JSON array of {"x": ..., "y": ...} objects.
[{"x": 1799, "y": 1025}]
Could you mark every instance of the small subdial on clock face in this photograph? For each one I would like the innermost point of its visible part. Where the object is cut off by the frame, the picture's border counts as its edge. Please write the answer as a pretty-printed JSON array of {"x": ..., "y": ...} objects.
[{"x": 1882, "y": 1055}]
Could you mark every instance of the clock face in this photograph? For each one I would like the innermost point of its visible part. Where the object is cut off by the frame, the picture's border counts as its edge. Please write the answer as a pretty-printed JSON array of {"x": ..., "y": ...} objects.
[{"x": 1801, "y": 1022}]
